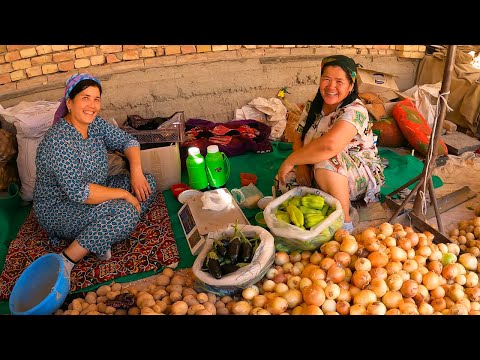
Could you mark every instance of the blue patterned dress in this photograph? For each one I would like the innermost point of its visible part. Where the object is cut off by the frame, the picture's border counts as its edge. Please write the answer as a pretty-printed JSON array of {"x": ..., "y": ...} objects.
[{"x": 66, "y": 164}]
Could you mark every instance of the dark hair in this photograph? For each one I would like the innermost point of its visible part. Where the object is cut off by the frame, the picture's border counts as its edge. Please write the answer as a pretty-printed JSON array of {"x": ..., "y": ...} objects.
[
  {"x": 317, "y": 103},
  {"x": 82, "y": 85}
]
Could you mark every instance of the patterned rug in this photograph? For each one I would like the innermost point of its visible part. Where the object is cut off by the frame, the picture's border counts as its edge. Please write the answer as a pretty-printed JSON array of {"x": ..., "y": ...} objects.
[{"x": 151, "y": 246}]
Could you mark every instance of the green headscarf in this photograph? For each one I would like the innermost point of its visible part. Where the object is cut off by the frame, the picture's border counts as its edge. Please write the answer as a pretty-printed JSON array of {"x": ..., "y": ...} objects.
[{"x": 349, "y": 66}]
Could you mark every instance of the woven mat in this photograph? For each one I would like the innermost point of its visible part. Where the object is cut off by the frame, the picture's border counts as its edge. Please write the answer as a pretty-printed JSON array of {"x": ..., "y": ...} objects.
[{"x": 150, "y": 247}]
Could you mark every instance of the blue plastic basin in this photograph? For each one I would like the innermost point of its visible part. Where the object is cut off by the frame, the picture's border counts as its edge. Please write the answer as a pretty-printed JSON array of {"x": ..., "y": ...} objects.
[{"x": 42, "y": 288}]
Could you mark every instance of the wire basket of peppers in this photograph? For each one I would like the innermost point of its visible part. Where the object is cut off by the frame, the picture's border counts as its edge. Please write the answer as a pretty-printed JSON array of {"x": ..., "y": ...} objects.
[
  {"x": 303, "y": 219},
  {"x": 233, "y": 259}
]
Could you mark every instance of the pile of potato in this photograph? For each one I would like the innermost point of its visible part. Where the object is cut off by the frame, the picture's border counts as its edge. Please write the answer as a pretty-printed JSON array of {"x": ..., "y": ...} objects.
[
  {"x": 467, "y": 236},
  {"x": 170, "y": 293}
]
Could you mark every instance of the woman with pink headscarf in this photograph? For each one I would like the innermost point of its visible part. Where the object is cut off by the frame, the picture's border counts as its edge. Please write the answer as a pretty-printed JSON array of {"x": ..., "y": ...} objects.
[{"x": 74, "y": 198}]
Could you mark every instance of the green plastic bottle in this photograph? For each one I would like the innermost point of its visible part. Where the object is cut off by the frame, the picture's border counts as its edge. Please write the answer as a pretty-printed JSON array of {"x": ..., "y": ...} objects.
[
  {"x": 197, "y": 176},
  {"x": 218, "y": 167}
]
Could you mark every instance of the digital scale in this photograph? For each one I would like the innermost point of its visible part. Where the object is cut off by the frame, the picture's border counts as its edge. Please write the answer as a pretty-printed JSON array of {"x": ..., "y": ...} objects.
[{"x": 197, "y": 222}]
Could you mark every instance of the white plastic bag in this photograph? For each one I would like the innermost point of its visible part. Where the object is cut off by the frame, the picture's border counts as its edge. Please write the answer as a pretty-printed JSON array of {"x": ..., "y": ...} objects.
[
  {"x": 31, "y": 120},
  {"x": 289, "y": 237},
  {"x": 245, "y": 276}
]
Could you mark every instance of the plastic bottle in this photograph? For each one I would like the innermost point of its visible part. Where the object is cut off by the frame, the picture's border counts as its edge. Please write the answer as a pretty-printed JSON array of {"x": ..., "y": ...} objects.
[
  {"x": 217, "y": 166},
  {"x": 197, "y": 176}
]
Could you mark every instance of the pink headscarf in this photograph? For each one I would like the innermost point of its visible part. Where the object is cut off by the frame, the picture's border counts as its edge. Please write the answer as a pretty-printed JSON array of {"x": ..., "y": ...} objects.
[{"x": 69, "y": 85}]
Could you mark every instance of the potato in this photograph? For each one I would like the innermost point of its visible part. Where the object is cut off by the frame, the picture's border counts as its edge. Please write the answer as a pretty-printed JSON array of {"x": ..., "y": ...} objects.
[
  {"x": 160, "y": 294},
  {"x": 91, "y": 297},
  {"x": 178, "y": 280},
  {"x": 194, "y": 308},
  {"x": 162, "y": 280},
  {"x": 179, "y": 308},
  {"x": 168, "y": 272},
  {"x": 103, "y": 290},
  {"x": 120, "y": 312},
  {"x": 210, "y": 307},
  {"x": 134, "y": 311},
  {"x": 116, "y": 286}
]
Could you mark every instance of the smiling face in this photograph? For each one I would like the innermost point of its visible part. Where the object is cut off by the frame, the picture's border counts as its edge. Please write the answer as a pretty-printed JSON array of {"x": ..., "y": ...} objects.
[
  {"x": 84, "y": 106},
  {"x": 334, "y": 85}
]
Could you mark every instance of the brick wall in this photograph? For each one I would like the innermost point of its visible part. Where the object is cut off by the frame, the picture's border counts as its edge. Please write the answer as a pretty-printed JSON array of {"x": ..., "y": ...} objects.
[{"x": 25, "y": 68}]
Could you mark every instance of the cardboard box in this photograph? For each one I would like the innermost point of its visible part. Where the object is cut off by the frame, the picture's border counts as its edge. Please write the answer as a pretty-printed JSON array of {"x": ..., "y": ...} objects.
[
  {"x": 388, "y": 106},
  {"x": 163, "y": 162},
  {"x": 377, "y": 82}
]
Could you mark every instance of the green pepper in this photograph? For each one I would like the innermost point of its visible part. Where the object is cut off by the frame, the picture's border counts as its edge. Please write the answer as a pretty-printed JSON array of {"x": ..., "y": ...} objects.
[
  {"x": 313, "y": 219},
  {"x": 306, "y": 210},
  {"x": 296, "y": 216},
  {"x": 330, "y": 210},
  {"x": 296, "y": 201},
  {"x": 283, "y": 205},
  {"x": 313, "y": 201},
  {"x": 282, "y": 215},
  {"x": 325, "y": 209}
]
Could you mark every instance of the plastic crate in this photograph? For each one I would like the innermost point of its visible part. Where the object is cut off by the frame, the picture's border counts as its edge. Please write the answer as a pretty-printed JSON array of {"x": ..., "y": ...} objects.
[{"x": 172, "y": 130}]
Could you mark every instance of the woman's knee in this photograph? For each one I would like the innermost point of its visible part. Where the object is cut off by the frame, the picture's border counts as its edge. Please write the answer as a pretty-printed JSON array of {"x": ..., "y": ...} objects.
[{"x": 152, "y": 181}]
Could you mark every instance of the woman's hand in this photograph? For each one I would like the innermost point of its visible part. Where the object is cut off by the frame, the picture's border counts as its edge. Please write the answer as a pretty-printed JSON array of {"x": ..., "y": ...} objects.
[
  {"x": 140, "y": 186},
  {"x": 304, "y": 175},
  {"x": 133, "y": 200},
  {"x": 284, "y": 169}
]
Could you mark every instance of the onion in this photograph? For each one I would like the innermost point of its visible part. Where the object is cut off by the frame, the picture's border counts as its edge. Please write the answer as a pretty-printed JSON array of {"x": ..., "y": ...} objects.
[
  {"x": 339, "y": 234},
  {"x": 293, "y": 298},
  {"x": 408, "y": 308},
  {"x": 297, "y": 268},
  {"x": 330, "y": 248},
  {"x": 280, "y": 278},
  {"x": 371, "y": 244},
  {"x": 329, "y": 305},
  {"x": 276, "y": 305},
  {"x": 468, "y": 261},
  {"x": 332, "y": 291},
  {"x": 397, "y": 254},
  {"x": 357, "y": 309},
  {"x": 343, "y": 307},
  {"x": 450, "y": 271},
  {"x": 378, "y": 259},
  {"x": 271, "y": 273},
  {"x": 281, "y": 288},
  {"x": 368, "y": 233},
  {"x": 438, "y": 292},
  {"x": 404, "y": 243},
  {"x": 376, "y": 308},
  {"x": 393, "y": 312},
  {"x": 394, "y": 282},
  {"x": 424, "y": 251},
  {"x": 435, "y": 266},
  {"x": 326, "y": 263},
  {"x": 460, "y": 279},
  {"x": 364, "y": 297},
  {"x": 361, "y": 279},
  {"x": 393, "y": 267},
  {"x": 409, "y": 288},
  {"x": 438, "y": 304},
  {"x": 379, "y": 287},
  {"x": 410, "y": 265},
  {"x": 413, "y": 237},
  {"x": 342, "y": 258},
  {"x": 425, "y": 309},
  {"x": 386, "y": 229},
  {"x": 306, "y": 254},
  {"x": 336, "y": 274},
  {"x": 473, "y": 294},
  {"x": 378, "y": 272},
  {"x": 295, "y": 257},
  {"x": 293, "y": 281},
  {"x": 363, "y": 264},
  {"x": 268, "y": 285},
  {"x": 392, "y": 299},
  {"x": 313, "y": 295},
  {"x": 417, "y": 276},
  {"x": 344, "y": 295},
  {"x": 472, "y": 279},
  {"x": 456, "y": 292},
  {"x": 312, "y": 310},
  {"x": 431, "y": 280},
  {"x": 390, "y": 241},
  {"x": 287, "y": 267},
  {"x": 348, "y": 274},
  {"x": 319, "y": 274},
  {"x": 316, "y": 258},
  {"x": 458, "y": 309},
  {"x": 304, "y": 282},
  {"x": 281, "y": 257},
  {"x": 349, "y": 245}
]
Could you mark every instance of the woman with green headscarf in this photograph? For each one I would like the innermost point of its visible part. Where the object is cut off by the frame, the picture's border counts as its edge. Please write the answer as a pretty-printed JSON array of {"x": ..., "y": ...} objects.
[{"x": 333, "y": 147}]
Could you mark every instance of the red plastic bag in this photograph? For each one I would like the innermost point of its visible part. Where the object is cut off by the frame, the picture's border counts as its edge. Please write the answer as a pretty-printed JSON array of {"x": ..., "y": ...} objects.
[{"x": 415, "y": 128}]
